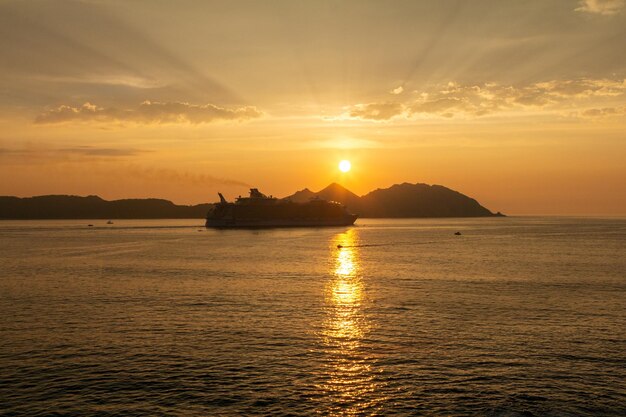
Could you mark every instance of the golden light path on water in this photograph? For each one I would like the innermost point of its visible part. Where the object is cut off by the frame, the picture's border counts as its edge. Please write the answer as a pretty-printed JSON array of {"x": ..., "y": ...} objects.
[{"x": 349, "y": 381}]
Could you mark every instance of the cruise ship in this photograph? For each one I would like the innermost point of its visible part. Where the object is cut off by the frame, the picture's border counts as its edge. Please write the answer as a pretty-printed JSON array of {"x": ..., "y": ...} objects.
[{"x": 259, "y": 210}]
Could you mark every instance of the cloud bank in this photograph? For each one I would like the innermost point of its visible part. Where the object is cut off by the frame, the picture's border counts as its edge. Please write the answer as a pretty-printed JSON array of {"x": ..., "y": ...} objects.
[
  {"x": 376, "y": 111},
  {"x": 477, "y": 100},
  {"x": 149, "y": 112},
  {"x": 601, "y": 113}
]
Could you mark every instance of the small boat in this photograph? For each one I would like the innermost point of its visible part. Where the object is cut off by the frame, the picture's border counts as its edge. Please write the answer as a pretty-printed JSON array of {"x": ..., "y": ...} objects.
[
  {"x": 458, "y": 233},
  {"x": 109, "y": 222}
]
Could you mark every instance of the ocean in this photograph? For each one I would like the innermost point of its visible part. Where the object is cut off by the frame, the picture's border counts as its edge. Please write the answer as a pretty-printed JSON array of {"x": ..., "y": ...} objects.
[{"x": 519, "y": 316}]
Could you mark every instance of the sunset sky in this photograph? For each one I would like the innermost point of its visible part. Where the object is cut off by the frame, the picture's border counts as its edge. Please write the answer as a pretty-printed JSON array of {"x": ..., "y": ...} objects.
[{"x": 519, "y": 104}]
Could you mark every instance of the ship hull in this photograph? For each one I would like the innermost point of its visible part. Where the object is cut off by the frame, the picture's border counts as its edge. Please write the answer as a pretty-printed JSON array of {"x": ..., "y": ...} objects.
[
  {"x": 259, "y": 211},
  {"x": 276, "y": 223}
]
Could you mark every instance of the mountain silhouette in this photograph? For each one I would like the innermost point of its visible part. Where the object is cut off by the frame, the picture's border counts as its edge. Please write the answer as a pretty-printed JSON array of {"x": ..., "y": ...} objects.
[
  {"x": 399, "y": 200},
  {"x": 420, "y": 200},
  {"x": 335, "y": 192},
  {"x": 301, "y": 196},
  {"x": 94, "y": 207}
]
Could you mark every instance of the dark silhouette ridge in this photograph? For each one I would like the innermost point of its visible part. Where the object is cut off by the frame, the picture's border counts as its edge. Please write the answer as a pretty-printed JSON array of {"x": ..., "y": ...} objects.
[
  {"x": 399, "y": 200},
  {"x": 420, "y": 200},
  {"x": 402, "y": 200},
  {"x": 94, "y": 207},
  {"x": 335, "y": 192},
  {"x": 302, "y": 196}
]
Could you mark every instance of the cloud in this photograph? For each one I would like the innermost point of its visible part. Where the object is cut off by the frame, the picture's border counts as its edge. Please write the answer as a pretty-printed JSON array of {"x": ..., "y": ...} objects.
[
  {"x": 100, "y": 46},
  {"x": 108, "y": 162},
  {"x": 603, "y": 7},
  {"x": 604, "y": 112},
  {"x": 181, "y": 177},
  {"x": 377, "y": 111},
  {"x": 149, "y": 112},
  {"x": 474, "y": 100},
  {"x": 397, "y": 90},
  {"x": 89, "y": 151},
  {"x": 445, "y": 106},
  {"x": 582, "y": 87},
  {"x": 102, "y": 152},
  {"x": 103, "y": 79}
]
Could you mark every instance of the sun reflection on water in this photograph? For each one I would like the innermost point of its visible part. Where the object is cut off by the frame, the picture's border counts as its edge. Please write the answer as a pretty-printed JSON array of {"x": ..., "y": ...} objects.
[{"x": 348, "y": 377}]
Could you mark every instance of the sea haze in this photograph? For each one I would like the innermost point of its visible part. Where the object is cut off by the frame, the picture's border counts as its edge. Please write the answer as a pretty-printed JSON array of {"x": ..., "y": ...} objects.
[{"x": 516, "y": 316}]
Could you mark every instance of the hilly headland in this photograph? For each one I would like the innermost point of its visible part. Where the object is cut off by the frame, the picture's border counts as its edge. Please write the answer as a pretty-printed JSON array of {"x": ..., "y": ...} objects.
[{"x": 397, "y": 201}]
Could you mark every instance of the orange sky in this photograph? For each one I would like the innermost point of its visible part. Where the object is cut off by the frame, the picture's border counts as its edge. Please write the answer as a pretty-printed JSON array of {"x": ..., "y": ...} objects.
[{"x": 519, "y": 105}]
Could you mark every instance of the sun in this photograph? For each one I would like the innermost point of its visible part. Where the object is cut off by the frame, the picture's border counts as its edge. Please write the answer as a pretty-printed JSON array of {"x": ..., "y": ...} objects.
[{"x": 344, "y": 166}]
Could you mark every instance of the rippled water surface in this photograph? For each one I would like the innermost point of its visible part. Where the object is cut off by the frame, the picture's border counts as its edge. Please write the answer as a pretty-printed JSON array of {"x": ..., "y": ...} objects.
[{"x": 517, "y": 316}]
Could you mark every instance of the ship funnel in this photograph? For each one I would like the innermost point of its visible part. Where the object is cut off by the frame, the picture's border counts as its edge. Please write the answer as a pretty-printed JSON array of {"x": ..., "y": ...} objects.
[{"x": 222, "y": 199}]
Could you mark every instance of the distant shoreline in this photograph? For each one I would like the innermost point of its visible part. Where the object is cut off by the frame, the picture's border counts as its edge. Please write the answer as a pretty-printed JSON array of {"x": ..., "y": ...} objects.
[
  {"x": 204, "y": 217},
  {"x": 517, "y": 216},
  {"x": 398, "y": 201}
]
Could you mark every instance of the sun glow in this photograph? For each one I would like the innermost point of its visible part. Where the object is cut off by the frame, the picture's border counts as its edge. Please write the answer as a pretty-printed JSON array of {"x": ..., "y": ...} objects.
[{"x": 344, "y": 165}]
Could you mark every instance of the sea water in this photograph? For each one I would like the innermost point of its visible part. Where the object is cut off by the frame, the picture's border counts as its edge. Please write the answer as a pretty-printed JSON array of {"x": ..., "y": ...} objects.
[{"x": 515, "y": 316}]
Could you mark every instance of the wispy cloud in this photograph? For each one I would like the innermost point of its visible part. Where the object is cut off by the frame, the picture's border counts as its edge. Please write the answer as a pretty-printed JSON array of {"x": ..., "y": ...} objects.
[
  {"x": 603, "y": 7},
  {"x": 101, "y": 46},
  {"x": 110, "y": 162},
  {"x": 149, "y": 112},
  {"x": 477, "y": 100},
  {"x": 179, "y": 176},
  {"x": 104, "y": 79},
  {"x": 61, "y": 153},
  {"x": 102, "y": 152},
  {"x": 377, "y": 111},
  {"x": 604, "y": 112}
]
